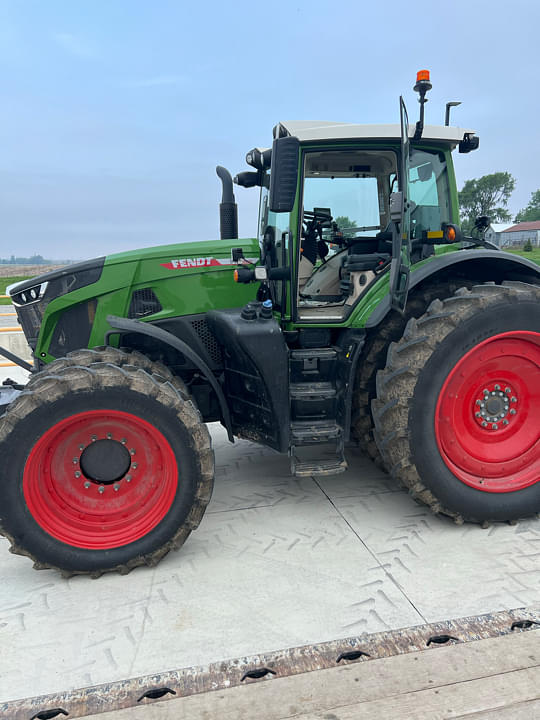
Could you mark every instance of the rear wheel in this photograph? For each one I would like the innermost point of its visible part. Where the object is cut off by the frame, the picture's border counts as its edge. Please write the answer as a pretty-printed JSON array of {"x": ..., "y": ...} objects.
[
  {"x": 374, "y": 359},
  {"x": 456, "y": 412},
  {"x": 108, "y": 469}
]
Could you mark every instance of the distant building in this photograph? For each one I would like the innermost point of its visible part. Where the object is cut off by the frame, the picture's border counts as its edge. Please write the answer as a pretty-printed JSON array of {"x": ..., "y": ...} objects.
[
  {"x": 518, "y": 235},
  {"x": 493, "y": 233}
]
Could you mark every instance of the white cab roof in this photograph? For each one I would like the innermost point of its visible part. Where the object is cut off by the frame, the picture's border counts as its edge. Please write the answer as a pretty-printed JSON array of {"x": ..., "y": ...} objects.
[{"x": 306, "y": 130}]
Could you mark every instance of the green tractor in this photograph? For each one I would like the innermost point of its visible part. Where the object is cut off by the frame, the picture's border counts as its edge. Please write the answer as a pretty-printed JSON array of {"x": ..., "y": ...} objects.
[{"x": 359, "y": 312}]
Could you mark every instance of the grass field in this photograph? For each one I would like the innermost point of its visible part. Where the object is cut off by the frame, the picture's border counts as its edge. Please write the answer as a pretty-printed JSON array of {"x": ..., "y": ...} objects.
[
  {"x": 4, "y": 282},
  {"x": 534, "y": 255}
]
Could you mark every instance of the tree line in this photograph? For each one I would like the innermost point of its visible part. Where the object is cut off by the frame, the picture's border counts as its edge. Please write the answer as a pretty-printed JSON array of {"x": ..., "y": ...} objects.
[{"x": 489, "y": 196}]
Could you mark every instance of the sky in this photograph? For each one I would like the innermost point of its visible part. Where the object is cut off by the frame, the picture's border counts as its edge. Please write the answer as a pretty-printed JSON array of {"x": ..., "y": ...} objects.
[{"x": 115, "y": 113}]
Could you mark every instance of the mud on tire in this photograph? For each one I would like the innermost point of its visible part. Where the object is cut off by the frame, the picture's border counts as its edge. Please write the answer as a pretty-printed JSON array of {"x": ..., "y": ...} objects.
[
  {"x": 109, "y": 468},
  {"x": 374, "y": 355},
  {"x": 456, "y": 412}
]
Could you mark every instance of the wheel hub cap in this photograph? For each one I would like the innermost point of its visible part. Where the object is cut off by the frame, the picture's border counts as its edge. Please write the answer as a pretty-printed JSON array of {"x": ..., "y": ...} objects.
[
  {"x": 486, "y": 419},
  {"x": 105, "y": 461}
]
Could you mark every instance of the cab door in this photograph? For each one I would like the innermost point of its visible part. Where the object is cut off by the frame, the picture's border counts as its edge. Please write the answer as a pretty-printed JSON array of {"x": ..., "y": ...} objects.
[{"x": 401, "y": 216}]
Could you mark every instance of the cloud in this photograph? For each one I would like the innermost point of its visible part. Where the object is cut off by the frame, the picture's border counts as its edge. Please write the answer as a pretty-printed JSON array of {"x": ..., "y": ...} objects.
[
  {"x": 158, "y": 81},
  {"x": 74, "y": 45}
]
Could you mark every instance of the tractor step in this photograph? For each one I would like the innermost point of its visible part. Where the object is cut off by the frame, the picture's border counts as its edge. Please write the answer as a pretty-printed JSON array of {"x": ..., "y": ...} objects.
[
  {"x": 313, "y": 400},
  {"x": 312, "y": 365},
  {"x": 314, "y": 389},
  {"x": 307, "y": 432},
  {"x": 318, "y": 467}
]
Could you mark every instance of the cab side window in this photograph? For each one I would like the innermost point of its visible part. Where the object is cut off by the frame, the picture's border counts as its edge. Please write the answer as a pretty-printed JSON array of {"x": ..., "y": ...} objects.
[{"x": 428, "y": 191}]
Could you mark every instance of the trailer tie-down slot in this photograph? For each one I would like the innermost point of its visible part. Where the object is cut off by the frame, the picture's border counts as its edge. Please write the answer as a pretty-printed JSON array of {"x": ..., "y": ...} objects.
[
  {"x": 257, "y": 673},
  {"x": 49, "y": 714},
  {"x": 352, "y": 655},
  {"x": 441, "y": 639},
  {"x": 523, "y": 624},
  {"x": 157, "y": 693}
]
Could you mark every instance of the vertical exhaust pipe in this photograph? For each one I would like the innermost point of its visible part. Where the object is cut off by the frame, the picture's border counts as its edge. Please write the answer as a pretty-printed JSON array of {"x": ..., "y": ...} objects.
[{"x": 228, "y": 209}]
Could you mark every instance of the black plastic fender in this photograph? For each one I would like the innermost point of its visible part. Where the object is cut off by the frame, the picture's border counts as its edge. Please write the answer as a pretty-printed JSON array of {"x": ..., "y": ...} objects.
[
  {"x": 124, "y": 325},
  {"x": 493, "y": 265}
]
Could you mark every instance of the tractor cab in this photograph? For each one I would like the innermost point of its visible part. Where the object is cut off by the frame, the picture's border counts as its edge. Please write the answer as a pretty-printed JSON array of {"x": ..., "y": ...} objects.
[
  {"x": 342, "y": 204},
  {"x": 339, "y": 235}
]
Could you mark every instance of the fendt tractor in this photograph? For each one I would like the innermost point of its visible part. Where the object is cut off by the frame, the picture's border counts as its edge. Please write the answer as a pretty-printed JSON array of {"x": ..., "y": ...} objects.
[{"x": 360, "y": 312}]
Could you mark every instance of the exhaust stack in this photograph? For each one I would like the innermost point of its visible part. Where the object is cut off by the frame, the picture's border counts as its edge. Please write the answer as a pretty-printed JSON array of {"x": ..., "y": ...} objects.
[{"x": 228, "y": 209}]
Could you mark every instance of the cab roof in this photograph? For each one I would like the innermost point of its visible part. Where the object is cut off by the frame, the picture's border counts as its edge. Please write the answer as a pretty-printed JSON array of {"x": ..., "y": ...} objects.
[{"x": 306, "y": 130}]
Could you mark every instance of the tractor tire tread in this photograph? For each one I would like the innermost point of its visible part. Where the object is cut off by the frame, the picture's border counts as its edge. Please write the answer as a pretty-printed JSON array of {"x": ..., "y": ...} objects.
[
  {"x": 396, "y": 382},
  {"x": 66, "y": 380}
]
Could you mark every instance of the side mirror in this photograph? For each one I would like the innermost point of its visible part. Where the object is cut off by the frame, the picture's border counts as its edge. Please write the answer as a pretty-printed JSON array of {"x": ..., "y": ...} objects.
[
  {"x": 469, "y": 143},
  {"x": 482, "y": 223},
  {"x": 284, "y": 174},
  {"x": 248, "y": 179}
]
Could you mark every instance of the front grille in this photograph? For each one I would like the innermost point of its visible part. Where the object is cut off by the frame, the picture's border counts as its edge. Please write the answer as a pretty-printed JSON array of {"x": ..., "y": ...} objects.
[
  {"x": 208, "y": 339},
  {"x": 73, "y": 329},
  {"x": 143, "y": 302}
]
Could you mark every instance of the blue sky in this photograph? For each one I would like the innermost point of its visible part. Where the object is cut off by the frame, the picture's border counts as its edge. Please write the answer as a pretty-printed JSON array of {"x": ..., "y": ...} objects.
[{"x": 115, "y": 114}]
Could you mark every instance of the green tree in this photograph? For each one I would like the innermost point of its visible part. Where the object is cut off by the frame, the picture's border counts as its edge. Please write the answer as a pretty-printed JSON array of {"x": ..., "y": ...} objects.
[
  {"x": 344, "y": 222},
  {"x": 532, "y": 211},
  {"x": 487, "y": 195}
]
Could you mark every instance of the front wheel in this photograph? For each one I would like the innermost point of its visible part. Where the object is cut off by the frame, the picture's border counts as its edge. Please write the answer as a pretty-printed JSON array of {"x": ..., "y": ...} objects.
[
  {"x": 106, "y": 468},
  {"x": 457, "y": 409}
]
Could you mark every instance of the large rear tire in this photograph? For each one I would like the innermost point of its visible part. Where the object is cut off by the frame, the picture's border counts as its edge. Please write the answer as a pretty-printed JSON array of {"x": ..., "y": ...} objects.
[
  {"x": 108, "y": 469},
  {"x": 374, "y": 355},
  {"x": 456, "y": 413}
]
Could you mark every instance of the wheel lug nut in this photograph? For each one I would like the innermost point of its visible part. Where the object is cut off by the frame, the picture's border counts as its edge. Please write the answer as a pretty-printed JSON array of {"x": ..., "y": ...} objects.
[
  {"x": 494, "y": 426},
  {"x": 484, "y": 424},
  {"x": 135, "y": 465},
  {"x": 123, "y": 441},
  {"x": 101, "y": 489},
  {"x": 479, "y": 402},
  {"x": 87, "y": 484},
  {"x": 109, "y": 436},
  {"x": 93, "y": 438},
  {"x": 478, "y": 414},
  {"x": 513, "y": 399},
  {"x": 512, "y": 411},
  {"x": 81, "y": 447},
  {"x": 128, "y": 478},
  {"x": 132, "y": 451},
  {"x": 116, "y": 487},
  {"x": 75, "y": 460},
  {"x": 507, "y": 390},
  {"x": 505, "y": 422},
  {"x": 497, "y": 387},
  {"x": 77, "y": 474}
]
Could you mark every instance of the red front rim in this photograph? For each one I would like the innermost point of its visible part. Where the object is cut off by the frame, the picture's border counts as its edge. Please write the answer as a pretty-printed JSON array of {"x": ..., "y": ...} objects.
[
  {"x": 487, "y": 417},
  {"x": 79, "y": 507}
]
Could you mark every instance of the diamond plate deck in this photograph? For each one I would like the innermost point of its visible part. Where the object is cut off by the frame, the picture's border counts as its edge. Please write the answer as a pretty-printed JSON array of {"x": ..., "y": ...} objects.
[{"x": 277, "y": 562}]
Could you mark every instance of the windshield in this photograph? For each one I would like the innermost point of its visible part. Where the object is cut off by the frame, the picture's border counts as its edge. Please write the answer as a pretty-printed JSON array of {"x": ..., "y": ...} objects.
[{"x": 353, "y": 185}]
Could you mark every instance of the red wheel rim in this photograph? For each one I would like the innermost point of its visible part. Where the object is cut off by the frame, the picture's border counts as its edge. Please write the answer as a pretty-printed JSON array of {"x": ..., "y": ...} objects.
[
  {"x": 487, "y": 417},
  {"x": 83, "y": 509}
]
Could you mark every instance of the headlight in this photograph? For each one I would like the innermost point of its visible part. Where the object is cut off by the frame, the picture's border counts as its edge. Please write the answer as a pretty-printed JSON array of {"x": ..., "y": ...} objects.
[
  {"x": 31, "y": 297},
  {"x": 54, "y": 284}
]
